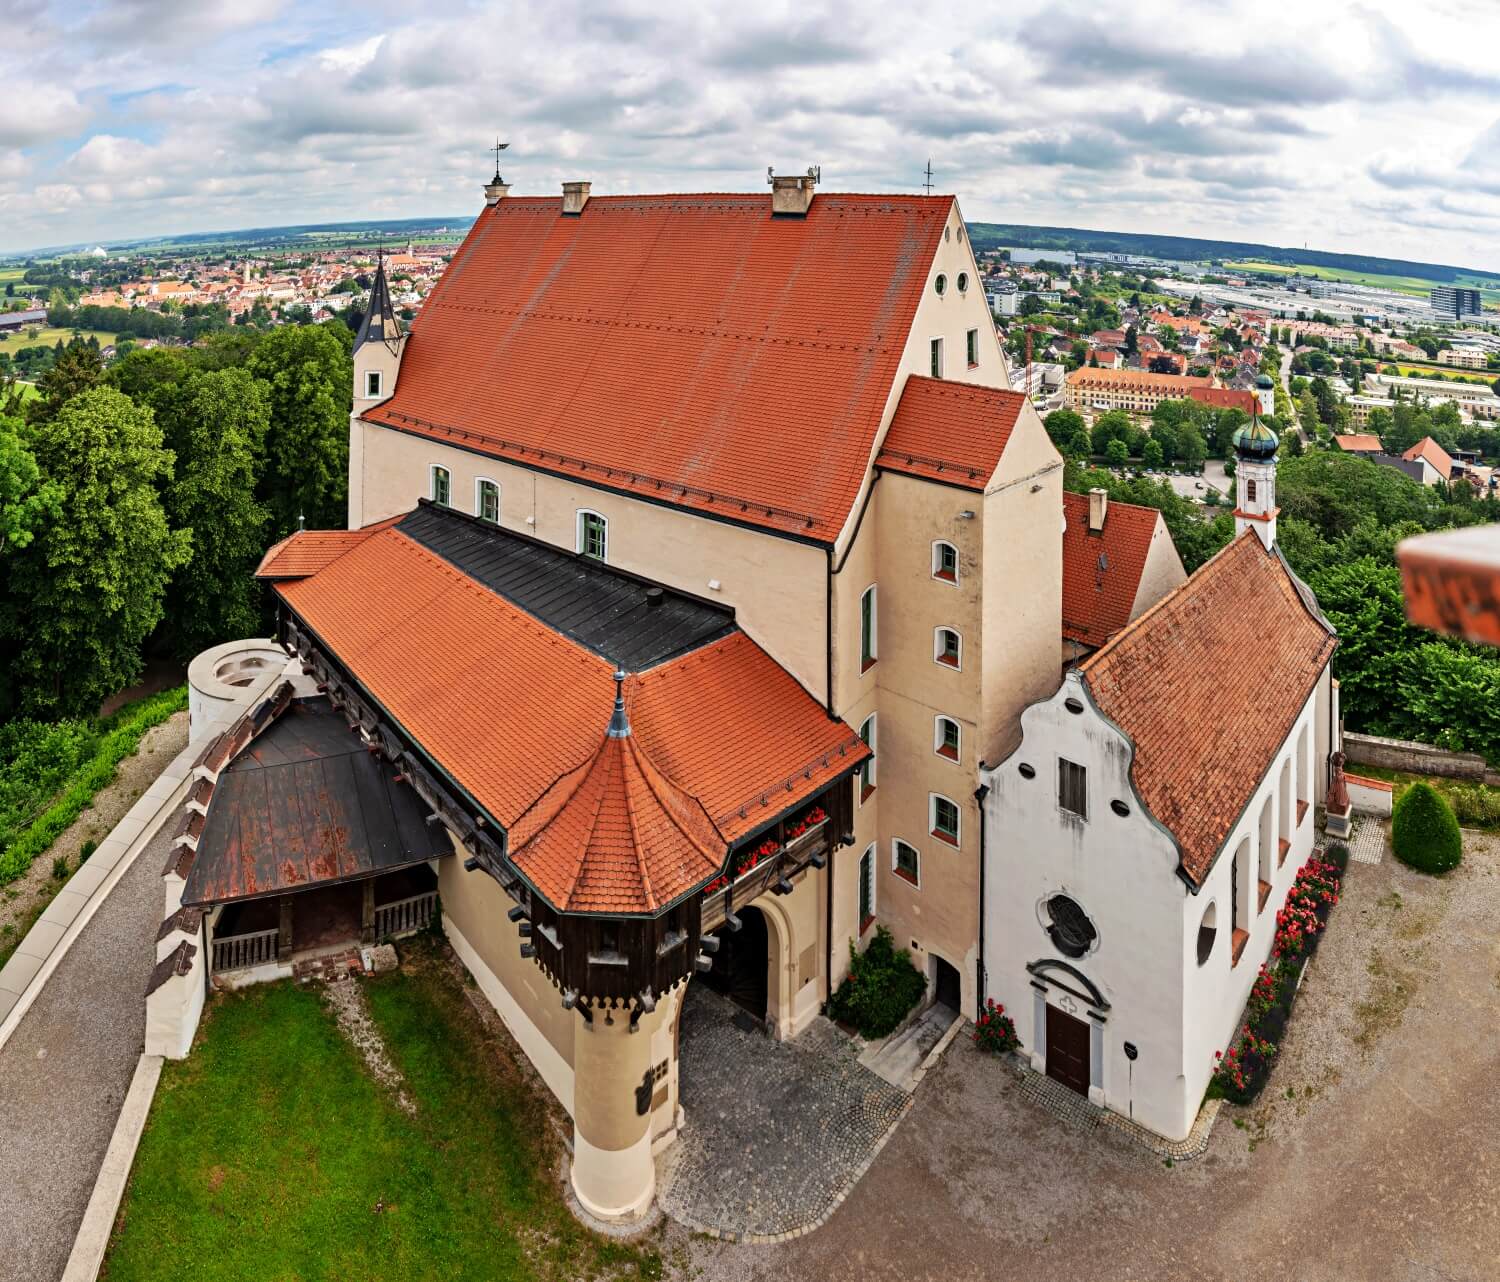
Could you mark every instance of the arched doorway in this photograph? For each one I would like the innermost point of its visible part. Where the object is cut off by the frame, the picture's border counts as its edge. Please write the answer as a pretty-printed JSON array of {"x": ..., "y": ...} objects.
[
  {"x": 947, "y": 985},
  {"x": 742, "y": 963}
]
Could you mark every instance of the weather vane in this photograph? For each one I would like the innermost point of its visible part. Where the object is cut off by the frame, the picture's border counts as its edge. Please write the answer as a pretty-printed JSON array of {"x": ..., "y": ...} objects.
[
  {"x": 927, "y": 186},
  {"x": 497, "y": 149}
]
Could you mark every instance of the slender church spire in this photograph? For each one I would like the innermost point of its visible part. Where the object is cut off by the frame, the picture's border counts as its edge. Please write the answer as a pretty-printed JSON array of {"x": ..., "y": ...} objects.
[{"x": 380, "y": 324}]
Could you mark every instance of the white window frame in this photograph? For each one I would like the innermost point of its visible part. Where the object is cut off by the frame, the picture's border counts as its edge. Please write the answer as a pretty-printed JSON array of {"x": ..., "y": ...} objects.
[
  {"x": 432, "y": 484},
  {"x": 935, "y": 357},
  {"x": 1078, "y": 765},
  {"x": 958, "y": 815},
  {"x": 479, "y": 483},
  {"x": 897, "y": 842},
  {"x": 578, "y": 525},
  {"x": 873, "y": 856},
  {"x": 937, "y": 546},
  {"x": 874, "y": 647},
  {"x": 874, "y": 744},
  {"x": 373, "y": 374},
  {"x": 937, "y": 647},
  {"x": 971, "y": 348},
  {"x": 937, "y": 737}
]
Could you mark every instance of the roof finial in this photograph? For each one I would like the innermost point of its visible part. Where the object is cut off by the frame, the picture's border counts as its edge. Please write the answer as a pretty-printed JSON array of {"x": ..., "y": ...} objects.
[
  {"x": 619, "y": 723},
  {"x": 497, "y": 149}
]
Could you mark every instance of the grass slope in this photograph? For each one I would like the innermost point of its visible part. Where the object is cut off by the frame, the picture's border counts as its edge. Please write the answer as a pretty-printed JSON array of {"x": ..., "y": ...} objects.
[{"x": 271, "y": 1153}]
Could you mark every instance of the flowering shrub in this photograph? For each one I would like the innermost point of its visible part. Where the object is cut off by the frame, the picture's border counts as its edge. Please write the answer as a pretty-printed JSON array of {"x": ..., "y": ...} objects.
[
  {"x": 748, "y": 859},
  {"x": 881, "y": 987},
  {"x": 994, "y": 1030},
  {"x": 1242, "y": 1070}
]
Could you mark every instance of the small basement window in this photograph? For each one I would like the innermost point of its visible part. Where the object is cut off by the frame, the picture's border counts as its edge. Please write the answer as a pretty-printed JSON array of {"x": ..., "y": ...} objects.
[{"x": 945, "y": 562}]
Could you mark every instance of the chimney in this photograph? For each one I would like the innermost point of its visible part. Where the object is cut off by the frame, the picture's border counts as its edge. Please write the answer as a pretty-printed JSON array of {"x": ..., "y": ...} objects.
[
  {"x": 791, "y": 194},
  {"x": 575, "y": 197},
  {"x": 1098, "y": 505},
  {"x": 494, "y": 191}
]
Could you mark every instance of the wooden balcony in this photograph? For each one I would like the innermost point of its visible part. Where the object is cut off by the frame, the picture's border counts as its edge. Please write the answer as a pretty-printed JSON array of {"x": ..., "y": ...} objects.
[
  {"x": 405, "y": 916},
  {"x": 240, "y": 952},
  {"x": 792, "y": 860}
]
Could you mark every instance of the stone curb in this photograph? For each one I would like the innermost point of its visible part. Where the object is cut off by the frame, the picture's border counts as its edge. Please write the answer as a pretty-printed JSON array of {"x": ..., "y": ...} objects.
[
  {"x": 47, "y": 942},
  {"x": 109, "y": 1189}
]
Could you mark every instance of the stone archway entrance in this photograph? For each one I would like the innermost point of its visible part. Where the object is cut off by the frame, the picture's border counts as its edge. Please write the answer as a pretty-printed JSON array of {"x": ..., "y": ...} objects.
[{"x": 742, "y": 965}]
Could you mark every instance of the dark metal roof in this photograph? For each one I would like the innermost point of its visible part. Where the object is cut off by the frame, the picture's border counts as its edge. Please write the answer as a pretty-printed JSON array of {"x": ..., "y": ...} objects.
[
  {"x": 380, "y": 323},
  {"x": 601, "y": 608},
  {"x": 307, "y": 803}
]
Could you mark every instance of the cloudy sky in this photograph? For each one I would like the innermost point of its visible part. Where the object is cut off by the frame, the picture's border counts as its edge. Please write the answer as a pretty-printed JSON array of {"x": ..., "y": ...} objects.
[{"x": 1364, "y": 127}]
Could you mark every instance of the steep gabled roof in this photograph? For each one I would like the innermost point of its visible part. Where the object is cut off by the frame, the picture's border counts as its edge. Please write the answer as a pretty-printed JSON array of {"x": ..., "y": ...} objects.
[
  {"x": 1208, "y": 684},
  {"x": 950, "y": 432},
  {"x": 693, "y": 349},
  {"x": 1433, "y": 454},
  {"x": 1102, "y": 570},
  {"x": 1359, "y": 443}
]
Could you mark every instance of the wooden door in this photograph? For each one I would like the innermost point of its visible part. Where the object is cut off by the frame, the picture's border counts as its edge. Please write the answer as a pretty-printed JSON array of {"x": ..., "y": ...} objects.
[{"x": 1068, "y": 1050}]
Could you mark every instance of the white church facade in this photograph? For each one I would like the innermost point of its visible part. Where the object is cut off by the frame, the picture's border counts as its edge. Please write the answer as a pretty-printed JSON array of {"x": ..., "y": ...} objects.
[{"x": 1147, "y": 828}]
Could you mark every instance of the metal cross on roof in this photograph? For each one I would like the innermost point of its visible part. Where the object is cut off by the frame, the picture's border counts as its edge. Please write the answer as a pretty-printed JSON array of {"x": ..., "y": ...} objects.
[
  {"x": 927, "y": 186},
  {"x": 497, "y": 149}
]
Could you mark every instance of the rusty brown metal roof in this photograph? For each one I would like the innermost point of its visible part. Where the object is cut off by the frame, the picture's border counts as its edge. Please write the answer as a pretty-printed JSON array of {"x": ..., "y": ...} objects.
[{"x": 305, "y": 804}]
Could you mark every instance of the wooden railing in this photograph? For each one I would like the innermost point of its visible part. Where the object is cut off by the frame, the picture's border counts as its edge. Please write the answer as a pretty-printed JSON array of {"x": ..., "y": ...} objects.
[
  {"x": 791, "y": 860},
  {"x": 405, "y": 915},
  {"x": 237, "y": 952}
]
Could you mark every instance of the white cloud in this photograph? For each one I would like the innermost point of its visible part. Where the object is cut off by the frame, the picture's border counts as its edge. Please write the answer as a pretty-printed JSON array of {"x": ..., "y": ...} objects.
[{"x": 1362, "y": 125}]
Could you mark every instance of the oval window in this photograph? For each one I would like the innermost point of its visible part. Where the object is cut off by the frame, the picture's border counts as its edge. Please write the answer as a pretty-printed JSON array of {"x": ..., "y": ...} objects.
[
  {"x": 963, "y": 282},
  {"x": 940, "y": 284},
  {"x": 1027, "y": 771},
  {"x": 1119, "y": 807},
  {"x": 1073, "y": 705},
  {"x": 1071, "y": 931}
]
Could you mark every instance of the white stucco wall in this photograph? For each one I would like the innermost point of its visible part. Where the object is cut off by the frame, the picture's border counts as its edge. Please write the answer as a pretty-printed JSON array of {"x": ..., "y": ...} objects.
[{"x": 1123, "y": 872}]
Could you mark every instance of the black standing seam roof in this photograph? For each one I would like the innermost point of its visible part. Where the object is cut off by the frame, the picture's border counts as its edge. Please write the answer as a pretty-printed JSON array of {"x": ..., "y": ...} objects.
[{"x": 602, "y": 609}]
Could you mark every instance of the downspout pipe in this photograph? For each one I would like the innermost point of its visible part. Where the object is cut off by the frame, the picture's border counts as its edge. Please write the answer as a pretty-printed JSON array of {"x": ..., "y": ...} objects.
[{"x": 981, "y": 985}]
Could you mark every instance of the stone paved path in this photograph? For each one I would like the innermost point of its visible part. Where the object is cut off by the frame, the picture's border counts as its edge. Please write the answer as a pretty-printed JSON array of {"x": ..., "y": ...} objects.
[
  {"x": 64, "y": 1072},
  {"x": 1367, "y": 846},
  {"x": 776, "y": 1132}
]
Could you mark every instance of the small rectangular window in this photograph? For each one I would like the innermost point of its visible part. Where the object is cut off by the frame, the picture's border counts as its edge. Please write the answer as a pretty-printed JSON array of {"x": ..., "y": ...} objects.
[
  {"x": 372, "y": 382},
  {"x": 906, "y": 863},
  {"x": 867, "y": 767},
  {"x": 937, "y": 358},
  {"x": 593, "y": 535},
  {"x": 1072, "y": 787},
  {"x": 945, "y": 820},
  {"x": 947, "y": 738},
  {"x": 442, "y": 486},
  {"x": 867, "y": 629},
  {"x": 945, "y": 562},
  {"x": 488, "y": 505},
  {"x": 973, "y": 348},
  {"x": 866, "y": 887}
]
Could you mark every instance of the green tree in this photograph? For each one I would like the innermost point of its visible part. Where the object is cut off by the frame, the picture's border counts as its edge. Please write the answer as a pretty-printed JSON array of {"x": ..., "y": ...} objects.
[
  {"x": 1116, "y": 452},
  {"x": 1363, "y": 601},
  {"x": 215, "y": 423},
  {"x": 75, "y": 369},
  {"x": 307, "y": 372},
  {"x": 1062, "y": 426},
  {"x": 1111, "y": 426},
  {"x": 1424, "y": 832},
  {"x": 1151, "y": 454},
  {"x": 88, "y": 590},
  {"x": 25, "y": 499}
]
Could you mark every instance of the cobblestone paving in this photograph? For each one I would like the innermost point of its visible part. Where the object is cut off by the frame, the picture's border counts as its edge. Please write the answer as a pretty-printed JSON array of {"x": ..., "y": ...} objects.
[
  {"x": 1367, "y": 846},
  {"x": 776, "y": 1132}
]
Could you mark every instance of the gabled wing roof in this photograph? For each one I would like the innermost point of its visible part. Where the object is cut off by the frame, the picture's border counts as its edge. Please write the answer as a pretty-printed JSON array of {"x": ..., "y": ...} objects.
[
  {"x": 1208, "y": 684},
  {"x": 1430, "y": 452},
  {"x": 690, "y": 348},
  {"x": 950, "y": 432},
  {"x": 1102, "y": 571}
]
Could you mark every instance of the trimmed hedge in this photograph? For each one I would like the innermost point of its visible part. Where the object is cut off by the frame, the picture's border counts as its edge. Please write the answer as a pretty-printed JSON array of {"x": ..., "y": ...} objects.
[
  {"x": 121, "y": 738},
  {"x": 881, "y": 987},
  {"x": 1424, "y": 831}
]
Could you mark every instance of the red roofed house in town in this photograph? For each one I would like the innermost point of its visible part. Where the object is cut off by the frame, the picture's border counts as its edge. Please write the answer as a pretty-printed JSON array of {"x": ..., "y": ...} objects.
[
  {"x": 1359, "y": 443},
  {"x": 1436, "y": 463},
  {"x": 1226, "y": 398}
]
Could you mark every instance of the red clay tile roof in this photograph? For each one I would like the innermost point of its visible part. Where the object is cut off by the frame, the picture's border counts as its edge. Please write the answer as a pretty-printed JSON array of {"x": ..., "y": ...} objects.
[
  {"x": 1102, "y": 572},
  {"x": 1208, "y": 684},
  {"x": 1359, "y": 443},
  {"x": 1433, "y": 454},
  {"x": 308, "y": 551},
  {"x": 508, "y": 707},
  {"x": 1226, "y": 398},
  {"x": 1087, "y": 376},
  {"x": 952, "y": 432},
  {"x": 692, "y": 348}
]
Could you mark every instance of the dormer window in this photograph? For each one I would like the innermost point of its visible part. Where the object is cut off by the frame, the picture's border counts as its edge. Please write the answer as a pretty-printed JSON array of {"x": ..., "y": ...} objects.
[
  {"x": 372, "y": 382},
  {"x": 947, "y": 648},
  {"x": 442, "y": 485},
  {"x": 945, "y": 562}
]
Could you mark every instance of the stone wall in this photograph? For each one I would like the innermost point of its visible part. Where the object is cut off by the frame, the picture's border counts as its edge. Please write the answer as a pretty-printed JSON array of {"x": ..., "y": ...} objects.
[{"x": 1419, "y": 758}]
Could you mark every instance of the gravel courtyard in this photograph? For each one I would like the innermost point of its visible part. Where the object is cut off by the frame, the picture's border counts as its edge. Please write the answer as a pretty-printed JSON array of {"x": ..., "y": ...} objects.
[{"x": 1371, "y": 1155}]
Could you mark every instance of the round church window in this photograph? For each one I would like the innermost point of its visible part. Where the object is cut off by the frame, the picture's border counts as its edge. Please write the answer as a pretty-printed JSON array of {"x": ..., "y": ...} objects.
[{"x": 1071, "y": 931}]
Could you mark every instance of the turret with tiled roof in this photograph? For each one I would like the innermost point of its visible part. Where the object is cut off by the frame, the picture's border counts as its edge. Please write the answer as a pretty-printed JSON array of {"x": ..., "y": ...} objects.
[{"x": 380, "y": 323}]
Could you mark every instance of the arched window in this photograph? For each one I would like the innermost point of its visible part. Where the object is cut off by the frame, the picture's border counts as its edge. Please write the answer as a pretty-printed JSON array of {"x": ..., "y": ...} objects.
[
  {"x": 943, "y": 818},
  {"x": 946, "y": 738},
  {"x": 593, "y": 534},
  {"x": 867, "y": 629},
  {"x": 1208, "y": 930},
  {"x": 947, "y": 647},
  {"x": 944, "y": 561},
  {"x": 905, "y": 862},
  {"x": 441, "y": 490},
  {"x": 1249, "y": 491},
  {"x": 487, "y": 500},
  {"x": 867, "y": 732}
]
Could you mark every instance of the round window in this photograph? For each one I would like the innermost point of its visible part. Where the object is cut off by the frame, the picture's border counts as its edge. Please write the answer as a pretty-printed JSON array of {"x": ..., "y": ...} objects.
[
  {"x": 1071, "y": 931},
  {"x": 940, "y": 284},
  {"x": 963, "y": 282}
]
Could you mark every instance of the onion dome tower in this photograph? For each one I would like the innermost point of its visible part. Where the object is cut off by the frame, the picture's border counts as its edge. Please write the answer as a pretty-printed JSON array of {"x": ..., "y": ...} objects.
[{"x": 1255, "y": 447}]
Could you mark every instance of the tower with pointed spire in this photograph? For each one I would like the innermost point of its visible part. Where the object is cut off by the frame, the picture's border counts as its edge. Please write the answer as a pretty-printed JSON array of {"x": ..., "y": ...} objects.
[
  {"x": 377, "y": 363},
  {"x": 1255, "y": 447}
]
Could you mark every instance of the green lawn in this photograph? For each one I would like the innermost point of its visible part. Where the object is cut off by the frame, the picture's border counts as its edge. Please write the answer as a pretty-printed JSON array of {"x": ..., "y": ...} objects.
[
  {"x": 271, "y": 1153},
  {"x": 1414, "y": 285},
  {"x": 1447, "y": 371},
  {"x": 48, "y": 336}
]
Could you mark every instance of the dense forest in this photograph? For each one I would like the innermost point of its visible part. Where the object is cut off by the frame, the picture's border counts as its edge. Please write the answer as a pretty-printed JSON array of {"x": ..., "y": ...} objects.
[{"x": 1192, "y": 249}]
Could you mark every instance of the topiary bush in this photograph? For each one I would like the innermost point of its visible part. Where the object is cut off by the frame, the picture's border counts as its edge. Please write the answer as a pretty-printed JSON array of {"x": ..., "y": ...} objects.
[
  {"x": 1424, "y": 831},
  {"x": 881, "y": 987}
]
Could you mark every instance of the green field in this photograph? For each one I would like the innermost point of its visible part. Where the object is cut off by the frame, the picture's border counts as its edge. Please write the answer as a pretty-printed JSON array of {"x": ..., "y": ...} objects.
[
  {"x": 11, "y": 274},
  {"x": 47, "y": 336},
  {"x": 1447, "y": 371},
  {"x": 1489, "y": 286}
]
